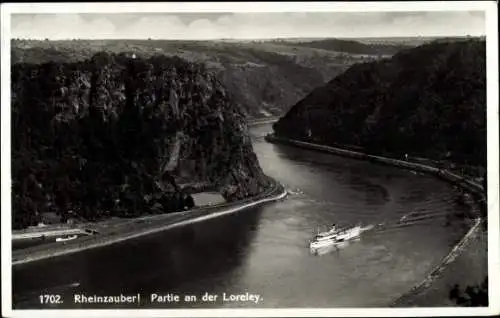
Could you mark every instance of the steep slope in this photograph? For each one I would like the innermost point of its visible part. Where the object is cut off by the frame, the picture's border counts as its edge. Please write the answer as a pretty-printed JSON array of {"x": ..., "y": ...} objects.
[
  {"x": 120, "y": 136},
  {"x": 351, "y": 46},
  {"x": 266, "y": 78},
  {"x": 429, "y": 101}
]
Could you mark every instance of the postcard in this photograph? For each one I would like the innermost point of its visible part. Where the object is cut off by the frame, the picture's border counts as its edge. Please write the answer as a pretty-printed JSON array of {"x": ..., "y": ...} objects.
[{"x": 223, "y": 159}]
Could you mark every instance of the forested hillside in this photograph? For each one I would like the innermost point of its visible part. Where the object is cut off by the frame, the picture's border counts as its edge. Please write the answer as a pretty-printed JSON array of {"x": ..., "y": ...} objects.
[
  {"x": 426, "y": 101},
  {"x": 116, "y": 135},
  {"x": 351, "y": 46},
  {"x": 265, "y": 78}
]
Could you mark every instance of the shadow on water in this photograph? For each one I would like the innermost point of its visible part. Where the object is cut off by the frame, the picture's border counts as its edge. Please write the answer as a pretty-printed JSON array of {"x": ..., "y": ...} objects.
[
  {"x": 360, "y": 176},
  {"x": 153, "y": 263}
]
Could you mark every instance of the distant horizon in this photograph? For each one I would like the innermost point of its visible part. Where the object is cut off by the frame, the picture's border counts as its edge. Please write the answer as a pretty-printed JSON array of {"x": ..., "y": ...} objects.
[
  {"x": 247, "y": 26},
  {"x": 258, "y": 39}
]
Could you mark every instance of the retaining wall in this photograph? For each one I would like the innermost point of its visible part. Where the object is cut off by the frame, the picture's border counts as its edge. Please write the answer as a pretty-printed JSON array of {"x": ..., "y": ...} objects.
[{"x": 446, "y": 175}]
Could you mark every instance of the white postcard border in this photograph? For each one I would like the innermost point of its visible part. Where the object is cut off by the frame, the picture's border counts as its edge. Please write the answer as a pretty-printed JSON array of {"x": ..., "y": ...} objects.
[{"x": 492, "y": 132}]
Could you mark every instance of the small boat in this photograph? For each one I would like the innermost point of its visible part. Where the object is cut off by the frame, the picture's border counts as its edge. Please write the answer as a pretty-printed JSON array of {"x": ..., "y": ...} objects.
[
  {"x": 334, "y": 236},
  {"x": 66, "y": 238}
]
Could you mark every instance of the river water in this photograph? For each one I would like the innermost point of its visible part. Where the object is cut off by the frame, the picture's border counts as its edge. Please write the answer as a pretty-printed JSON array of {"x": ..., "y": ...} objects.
[{"x": 264, "y": 250}]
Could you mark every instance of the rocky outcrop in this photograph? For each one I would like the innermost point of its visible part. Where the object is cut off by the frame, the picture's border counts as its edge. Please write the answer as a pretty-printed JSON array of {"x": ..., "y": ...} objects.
[
  {"x": 265, "y": 78},
  {"x": 428, "y": 101},
  {"x": 115, "y": 136}
]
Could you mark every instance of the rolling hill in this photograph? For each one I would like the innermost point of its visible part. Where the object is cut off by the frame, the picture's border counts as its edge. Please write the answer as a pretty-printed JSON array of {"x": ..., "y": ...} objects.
[
  {"x": 426, "y": 101},
  {"x": 264, "y": 77}
]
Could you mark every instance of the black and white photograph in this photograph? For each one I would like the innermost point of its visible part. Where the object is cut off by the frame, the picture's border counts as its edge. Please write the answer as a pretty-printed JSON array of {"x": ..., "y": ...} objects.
[{"x": 265, "y": 158}]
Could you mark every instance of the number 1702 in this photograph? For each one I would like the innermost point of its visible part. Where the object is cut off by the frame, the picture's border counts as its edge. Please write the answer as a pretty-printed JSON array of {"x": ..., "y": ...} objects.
[{"x": 50, "y": 299}]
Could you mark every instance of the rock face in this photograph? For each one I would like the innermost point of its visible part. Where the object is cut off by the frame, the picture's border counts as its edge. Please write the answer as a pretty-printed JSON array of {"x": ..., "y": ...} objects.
[
  {"x": 117, "y": 136},
  {"x": 265, "y": 78},
  {"x": 428, "y": 101}
]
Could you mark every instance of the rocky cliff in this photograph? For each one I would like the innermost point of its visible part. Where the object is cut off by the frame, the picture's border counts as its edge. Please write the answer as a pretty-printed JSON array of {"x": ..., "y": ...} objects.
[
  {"x": 117, "y": 135},
  {"x": 426, "y": 101},
  {"x": 265, "y": 78}
]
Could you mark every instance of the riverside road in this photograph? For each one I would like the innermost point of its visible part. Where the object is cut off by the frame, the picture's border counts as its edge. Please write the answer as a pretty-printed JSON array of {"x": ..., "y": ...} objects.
[{"x": 264, "y": 251}]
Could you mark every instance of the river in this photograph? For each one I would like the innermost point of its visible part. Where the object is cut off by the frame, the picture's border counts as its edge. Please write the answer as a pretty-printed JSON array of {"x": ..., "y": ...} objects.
[{"x": 265, "y": 250}]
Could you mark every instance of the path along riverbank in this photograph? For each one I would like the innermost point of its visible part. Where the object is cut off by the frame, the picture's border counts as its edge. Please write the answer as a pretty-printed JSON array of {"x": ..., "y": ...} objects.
[
  {"x": 129, "y": 229},
  {"x": 444, "y": 174},
  {"x": 469, "y": 246}
]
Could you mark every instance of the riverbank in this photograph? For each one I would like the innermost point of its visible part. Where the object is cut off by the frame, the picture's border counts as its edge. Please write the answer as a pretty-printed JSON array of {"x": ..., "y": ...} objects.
[
  {"x": 439, "y": 281},
  {"x": 110, "y": 232},
  {"x": 263, "y": 120},
  {"x": 444, "y": 174},
  {"x": 471, "y": 256}
]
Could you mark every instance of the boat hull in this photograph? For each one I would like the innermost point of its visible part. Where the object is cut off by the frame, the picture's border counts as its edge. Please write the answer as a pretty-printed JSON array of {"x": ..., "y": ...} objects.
[{"x": 335, "y": 238}]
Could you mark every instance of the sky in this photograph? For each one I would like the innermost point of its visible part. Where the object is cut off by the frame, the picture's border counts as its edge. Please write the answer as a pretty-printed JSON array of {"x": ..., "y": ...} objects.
[{"x": 206, "y": 26}]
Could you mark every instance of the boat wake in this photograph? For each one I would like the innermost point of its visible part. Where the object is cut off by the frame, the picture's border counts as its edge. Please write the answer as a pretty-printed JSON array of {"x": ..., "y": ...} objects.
[
  {"x": 410, "y": 220},
  {"x": 338, "y": 238}
]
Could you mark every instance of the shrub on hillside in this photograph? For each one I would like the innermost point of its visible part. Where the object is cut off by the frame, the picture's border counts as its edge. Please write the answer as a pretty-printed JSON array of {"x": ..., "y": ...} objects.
[
  {"x": 472, "y": 296},
  {"x": 426, "y": 101}
]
